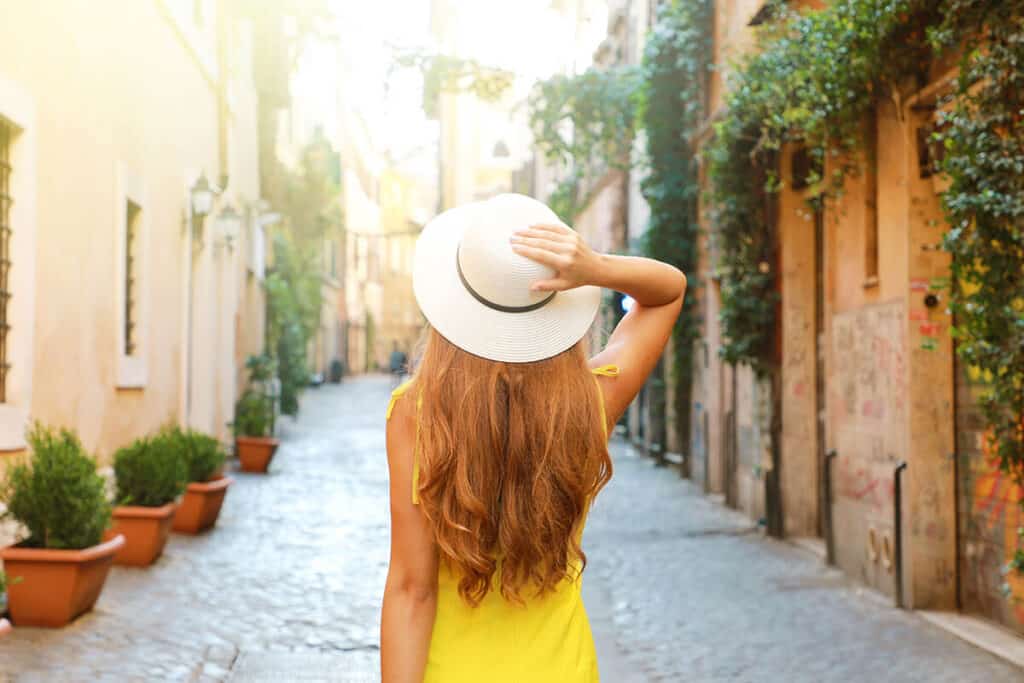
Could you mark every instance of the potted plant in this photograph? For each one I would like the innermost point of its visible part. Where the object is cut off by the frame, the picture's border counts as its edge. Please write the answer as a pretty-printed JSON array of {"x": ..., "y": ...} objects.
[
  {"x": 59, "y": 569},
  {"x": 204, "y": 495},
  {"x": 150, "y": 473},
  {"x": 254, "y": 419}
]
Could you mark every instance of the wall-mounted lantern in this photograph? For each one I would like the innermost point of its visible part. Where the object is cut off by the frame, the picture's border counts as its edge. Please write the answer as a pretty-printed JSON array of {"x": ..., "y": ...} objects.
[
  {"x": 201, "y": 196},
  {"x": 229, "y": 225}
]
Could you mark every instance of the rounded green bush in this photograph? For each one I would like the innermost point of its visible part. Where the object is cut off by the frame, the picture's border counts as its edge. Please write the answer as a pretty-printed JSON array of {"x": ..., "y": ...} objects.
[
  {"x": 203, "y": 454},
  {"x": 57, "y": 493},
  {"x": 150, "y": 472},
  {"x": 254, "y": 415}
]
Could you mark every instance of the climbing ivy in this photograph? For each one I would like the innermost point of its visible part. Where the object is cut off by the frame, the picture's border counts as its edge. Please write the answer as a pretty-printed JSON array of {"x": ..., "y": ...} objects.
[
  {"x": 815, "y": 78},
  {"x": 813, "y": 81},
  {"x": 983, "y": 137},
  {"x": 584, "y": 123},
  {"x": 671, "y": 107}
]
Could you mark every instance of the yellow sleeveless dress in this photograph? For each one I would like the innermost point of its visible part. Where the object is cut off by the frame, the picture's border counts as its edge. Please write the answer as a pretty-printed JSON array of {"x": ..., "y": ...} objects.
[{"x": 547, "y": 640}]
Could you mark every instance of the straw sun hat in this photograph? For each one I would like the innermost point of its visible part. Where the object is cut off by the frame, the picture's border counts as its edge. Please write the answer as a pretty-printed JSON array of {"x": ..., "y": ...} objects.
[{"x": 475, "y": 291}]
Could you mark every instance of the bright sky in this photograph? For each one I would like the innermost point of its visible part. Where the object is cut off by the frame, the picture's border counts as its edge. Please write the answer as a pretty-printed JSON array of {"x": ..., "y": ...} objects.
[{"x": 527, "y": 37}]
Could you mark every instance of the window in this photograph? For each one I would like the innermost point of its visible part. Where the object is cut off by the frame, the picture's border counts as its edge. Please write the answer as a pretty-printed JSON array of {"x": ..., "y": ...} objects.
[
  {"x": 871, "y": 210},
  {"x": 131, "y": 238},
  {"x": 806, "y": 168},
  {"x": 131, "y": 281},
  {"x": 6, "y": 142}
]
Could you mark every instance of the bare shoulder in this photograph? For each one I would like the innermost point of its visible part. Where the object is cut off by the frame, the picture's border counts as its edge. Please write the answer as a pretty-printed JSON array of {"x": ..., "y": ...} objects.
[{"x": 401, "y": 419}]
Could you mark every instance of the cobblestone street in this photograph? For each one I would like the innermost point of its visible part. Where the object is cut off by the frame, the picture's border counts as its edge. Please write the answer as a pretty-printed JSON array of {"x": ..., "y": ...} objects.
[{"x": 287, "y": 587}]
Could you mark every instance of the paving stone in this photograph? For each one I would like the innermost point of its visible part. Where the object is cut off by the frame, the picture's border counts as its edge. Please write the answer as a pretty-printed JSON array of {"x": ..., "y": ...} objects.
[
  {"x": 694, "y": 599},
  {"x": 288, "y": 586}
]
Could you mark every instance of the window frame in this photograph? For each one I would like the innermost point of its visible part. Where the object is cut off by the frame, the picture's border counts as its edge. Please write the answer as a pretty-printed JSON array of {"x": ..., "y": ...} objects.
[
  {"x": 18, "y": 108},
  {"x": 131, "y": 368}
]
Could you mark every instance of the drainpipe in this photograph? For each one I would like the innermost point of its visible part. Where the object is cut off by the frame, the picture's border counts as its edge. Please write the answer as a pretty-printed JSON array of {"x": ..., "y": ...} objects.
[
  {"x": 897, "y": 523},
  {"x": 190, "y": 254},
  {"x": 830, "y": 538}
]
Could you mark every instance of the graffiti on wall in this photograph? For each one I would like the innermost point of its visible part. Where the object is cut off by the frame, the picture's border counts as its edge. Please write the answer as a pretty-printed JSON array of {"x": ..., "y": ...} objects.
[
  {"x": 868, "y": 400},
  {"x": 990, "y": 515},
  {"x": 870, "y": 362}
]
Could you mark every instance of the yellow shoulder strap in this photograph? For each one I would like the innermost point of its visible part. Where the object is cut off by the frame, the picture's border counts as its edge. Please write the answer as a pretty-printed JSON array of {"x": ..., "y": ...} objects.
[
  {"x": 604, "y": 371},
  {"x": 395, "y": 395}
]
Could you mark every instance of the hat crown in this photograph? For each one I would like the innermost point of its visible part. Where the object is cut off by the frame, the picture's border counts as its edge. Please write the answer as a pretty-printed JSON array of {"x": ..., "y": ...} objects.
[{"x": 488, "y": 264}]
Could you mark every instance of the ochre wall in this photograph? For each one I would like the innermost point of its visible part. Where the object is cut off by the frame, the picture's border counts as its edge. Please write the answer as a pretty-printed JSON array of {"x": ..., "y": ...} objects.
[{"x": 797, "y": 263}]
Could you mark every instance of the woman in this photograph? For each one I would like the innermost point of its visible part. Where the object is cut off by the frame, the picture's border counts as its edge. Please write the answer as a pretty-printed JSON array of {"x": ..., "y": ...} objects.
[{"x": 498, "y": 444}]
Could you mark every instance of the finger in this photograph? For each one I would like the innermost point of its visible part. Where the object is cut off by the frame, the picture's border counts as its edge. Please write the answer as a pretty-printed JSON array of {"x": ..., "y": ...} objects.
[
  {"x": 554, "y": 285},
  {"x": 552, "y": 227},
  {"x": 540, "y": 243},
  {"x": 542, "y": 256},
  {"x": 545, "y": 234}
]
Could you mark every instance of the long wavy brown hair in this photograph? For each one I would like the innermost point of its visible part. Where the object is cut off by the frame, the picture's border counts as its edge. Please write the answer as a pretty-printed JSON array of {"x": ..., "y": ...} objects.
[{"x": 510, "y": 456}]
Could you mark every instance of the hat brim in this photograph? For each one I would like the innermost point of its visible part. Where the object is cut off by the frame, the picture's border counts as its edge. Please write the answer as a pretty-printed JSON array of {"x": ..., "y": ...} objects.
[{"x": 474, "y": 327}]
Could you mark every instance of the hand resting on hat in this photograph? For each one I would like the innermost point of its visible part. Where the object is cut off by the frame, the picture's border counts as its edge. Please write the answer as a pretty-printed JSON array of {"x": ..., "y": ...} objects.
[{"x": 562, "y": 249}]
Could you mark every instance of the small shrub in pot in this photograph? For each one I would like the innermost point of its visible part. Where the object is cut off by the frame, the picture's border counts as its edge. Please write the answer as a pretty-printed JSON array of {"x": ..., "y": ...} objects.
[
  {"x": 204, "y": 458},
  {"x": 57, "y": 495},
  {"x": 58, "y": 570},
  {"x": 254, "y": 423},
  {"x": 150, "y": 474}
]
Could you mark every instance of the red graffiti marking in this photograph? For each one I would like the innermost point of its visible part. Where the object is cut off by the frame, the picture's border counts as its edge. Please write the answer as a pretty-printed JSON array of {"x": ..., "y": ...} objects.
[{"x": 860, "y": 485}]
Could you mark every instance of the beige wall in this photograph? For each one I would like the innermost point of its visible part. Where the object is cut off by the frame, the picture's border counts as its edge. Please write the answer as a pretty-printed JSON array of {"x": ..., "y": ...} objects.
[
  {"x": 362, "y": 286},
  {"x": 401, "y": 320},
  {"x": 111, "y": 120}
]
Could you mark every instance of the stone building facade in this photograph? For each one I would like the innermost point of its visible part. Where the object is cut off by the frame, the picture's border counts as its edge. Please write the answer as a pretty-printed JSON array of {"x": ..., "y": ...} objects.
[{"x": 869, "y": 378}]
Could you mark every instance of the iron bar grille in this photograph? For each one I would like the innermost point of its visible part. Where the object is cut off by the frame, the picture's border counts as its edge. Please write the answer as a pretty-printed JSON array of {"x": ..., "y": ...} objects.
[
  {"x": 6, "y": 142},
  {"x": 131, "y": 220}
]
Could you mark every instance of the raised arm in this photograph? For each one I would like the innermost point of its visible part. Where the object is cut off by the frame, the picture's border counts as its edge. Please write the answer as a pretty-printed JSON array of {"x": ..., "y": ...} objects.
[{"x": 641, "y": 336}]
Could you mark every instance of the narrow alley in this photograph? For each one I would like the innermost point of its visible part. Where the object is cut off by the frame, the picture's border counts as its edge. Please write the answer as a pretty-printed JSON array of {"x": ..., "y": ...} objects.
[{"x": 287, "y": 586}]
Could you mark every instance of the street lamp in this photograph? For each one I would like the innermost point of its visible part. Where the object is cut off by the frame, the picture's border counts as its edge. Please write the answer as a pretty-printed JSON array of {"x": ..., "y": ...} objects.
[
  {"x": 202, "y": 197},
  {"x": 229, "y": 224}
]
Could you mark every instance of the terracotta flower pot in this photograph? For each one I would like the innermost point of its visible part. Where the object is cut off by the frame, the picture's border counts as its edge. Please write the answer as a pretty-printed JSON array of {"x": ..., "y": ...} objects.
[
  {"x": 201, "y": 504},
  {"x": 56, "y": 585},
  {"x": 5, "y": 627},
  {"x": 145, "y": 530},
  {"x": 255, "y": 452}
]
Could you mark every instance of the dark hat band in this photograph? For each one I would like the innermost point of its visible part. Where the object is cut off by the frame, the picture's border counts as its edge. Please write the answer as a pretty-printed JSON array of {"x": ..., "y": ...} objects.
[{"x": 490, "y": 304}]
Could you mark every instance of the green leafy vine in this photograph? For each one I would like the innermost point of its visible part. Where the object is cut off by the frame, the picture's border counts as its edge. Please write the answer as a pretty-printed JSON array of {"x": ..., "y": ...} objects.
[
  {"x": 983, "y": 137},
  {"x": 812, "y": 82},
  {"x": 674, "y": 70},
  {"x": 584, "y": 123}
]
